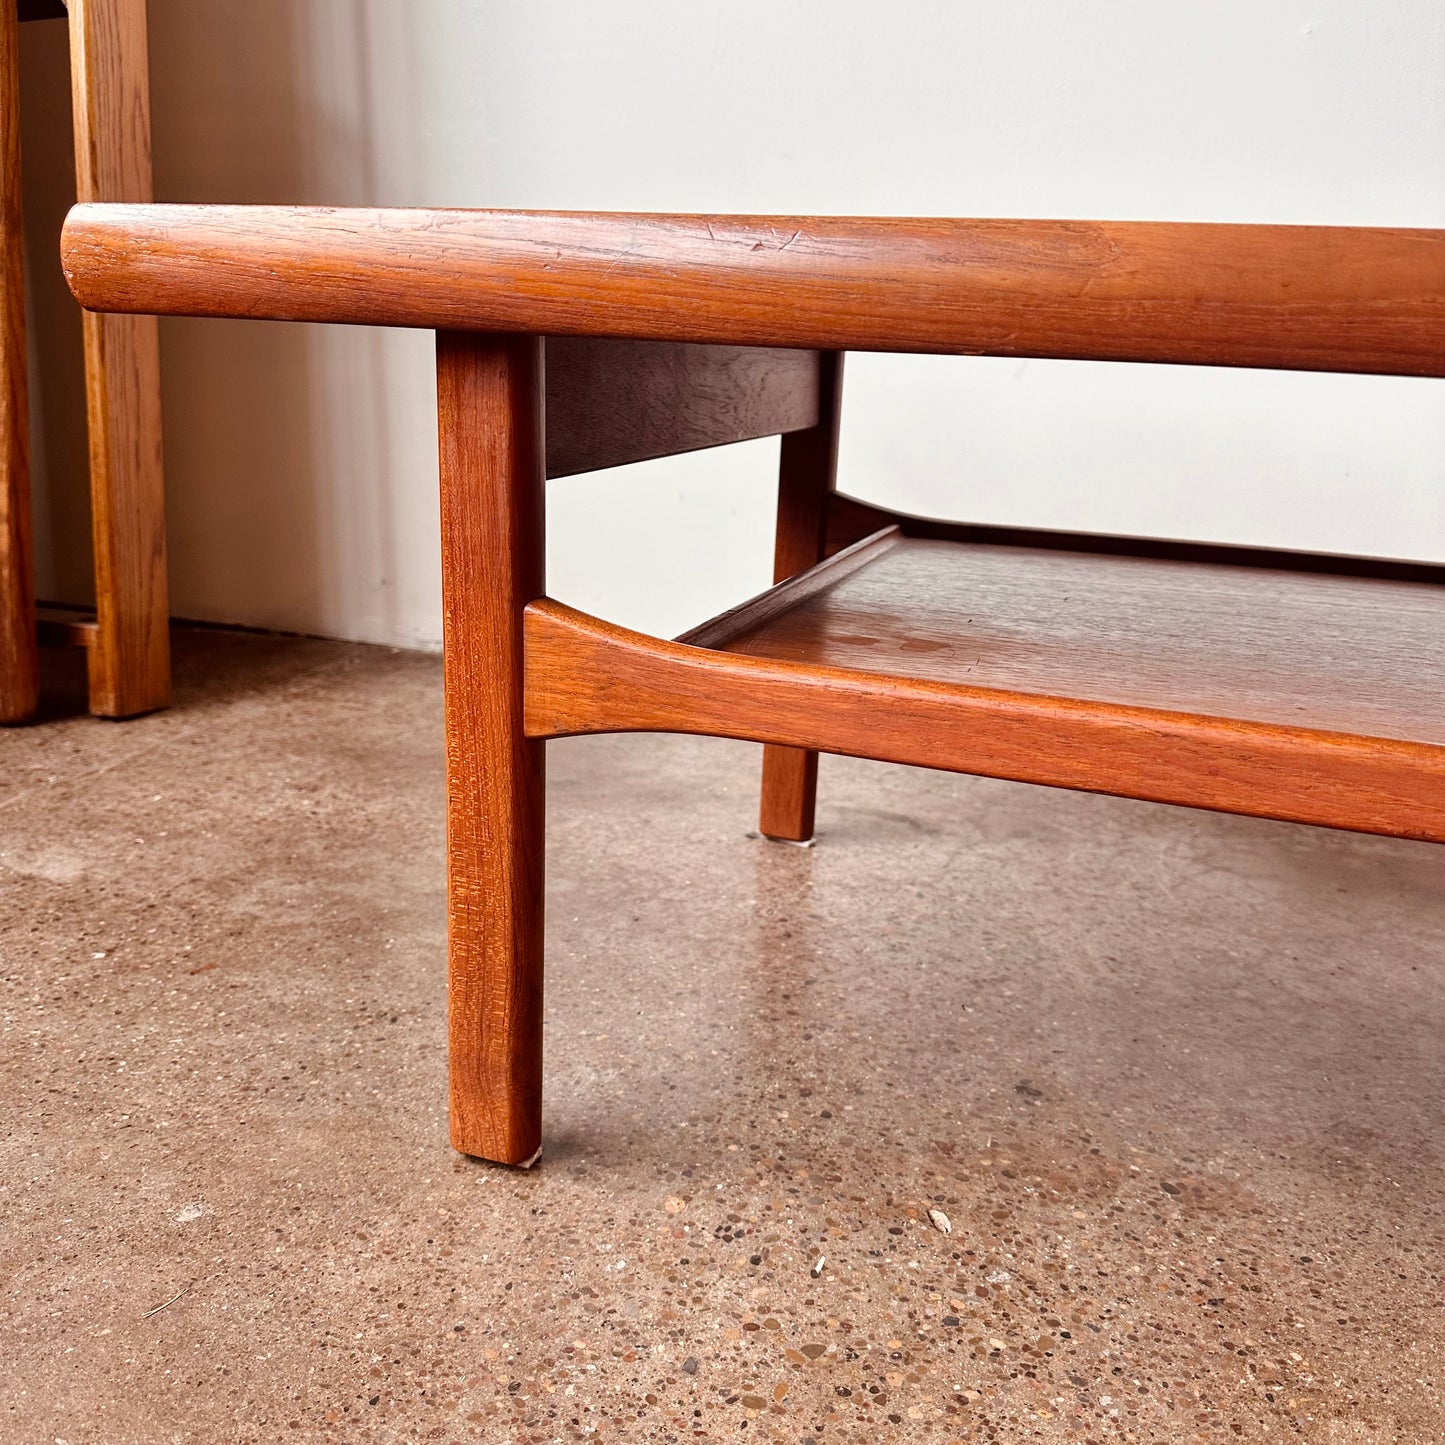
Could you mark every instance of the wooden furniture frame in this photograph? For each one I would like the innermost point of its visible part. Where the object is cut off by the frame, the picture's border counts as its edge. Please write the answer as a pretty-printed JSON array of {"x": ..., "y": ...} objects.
[
  {"x": 128, "y": 639},
  {"x": 1278, "y": 684}
]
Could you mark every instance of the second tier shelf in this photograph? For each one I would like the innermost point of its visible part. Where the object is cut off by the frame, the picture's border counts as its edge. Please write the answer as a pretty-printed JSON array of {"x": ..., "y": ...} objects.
[{"x": 1283, "y": 693}]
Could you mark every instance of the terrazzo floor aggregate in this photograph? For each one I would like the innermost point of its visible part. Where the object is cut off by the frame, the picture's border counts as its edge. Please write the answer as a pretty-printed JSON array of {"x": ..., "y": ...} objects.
[{"x": 1174, "y": 1083}]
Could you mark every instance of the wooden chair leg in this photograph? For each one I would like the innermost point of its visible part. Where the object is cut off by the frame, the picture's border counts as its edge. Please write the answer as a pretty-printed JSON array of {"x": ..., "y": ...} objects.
[
  {"x": 18, "y": 676},
  {"x": 806, "y": 471},
  {"x": 489, "y": 407},
  {"x": 130, "y": 670}
]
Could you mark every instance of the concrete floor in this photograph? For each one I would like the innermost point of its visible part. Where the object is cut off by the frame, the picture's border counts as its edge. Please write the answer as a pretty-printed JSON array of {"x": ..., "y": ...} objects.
[{"x": 1177, "y": 1080}]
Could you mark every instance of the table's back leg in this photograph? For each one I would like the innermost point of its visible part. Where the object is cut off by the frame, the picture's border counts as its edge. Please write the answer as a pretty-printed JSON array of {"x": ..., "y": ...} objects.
[
  {"x": 130, "y": 657},
  {"x": 18, "y": 677},
  {"x": 806, "y": 472},
  {"x": 489, "y": 408}
]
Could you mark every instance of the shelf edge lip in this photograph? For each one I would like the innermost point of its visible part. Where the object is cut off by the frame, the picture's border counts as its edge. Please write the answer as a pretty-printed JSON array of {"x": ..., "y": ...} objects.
[
  {"x": 918, "y": 528},
  {"x": 726, "y": 627}
]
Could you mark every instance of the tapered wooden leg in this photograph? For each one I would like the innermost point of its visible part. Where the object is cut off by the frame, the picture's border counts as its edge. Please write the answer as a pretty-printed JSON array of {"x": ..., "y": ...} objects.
[
  {"x": 489, "y": 407},
  {"x": 130, "y": 669},
  {"x": 790, "y": 794},
  {"x": 18, "y": 678},
  {"x": 806, "y": 472}
]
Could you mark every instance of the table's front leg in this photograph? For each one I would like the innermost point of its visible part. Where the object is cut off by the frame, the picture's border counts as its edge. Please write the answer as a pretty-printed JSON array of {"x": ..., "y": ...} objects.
[{"x": 490, "y": 416}]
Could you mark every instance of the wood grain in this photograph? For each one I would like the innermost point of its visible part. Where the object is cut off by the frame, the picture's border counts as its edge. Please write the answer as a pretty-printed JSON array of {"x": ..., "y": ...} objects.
[
  {"x": 780, "y": 600},
  {"x": 585, "y": 675},
  {"x": 1306, "y": 693},
  {"x": 807, "y": 471},
  {"x": 489, "y": 408},
  {"x": 1289, "y": 649},
  {"x": 614, "y": 402},
  {"x": 19, "y": 679},
  {"x": 850, "y": 520},
  {"x": 110, "y": 93},
  {"x": 1306, "y": 297}
]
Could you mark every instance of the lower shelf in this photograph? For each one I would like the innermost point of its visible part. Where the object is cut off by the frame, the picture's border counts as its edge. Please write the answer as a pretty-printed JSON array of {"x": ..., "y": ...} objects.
[
  {"x": 1285, "y": 694},
  {"x": 64, "y": 627}
]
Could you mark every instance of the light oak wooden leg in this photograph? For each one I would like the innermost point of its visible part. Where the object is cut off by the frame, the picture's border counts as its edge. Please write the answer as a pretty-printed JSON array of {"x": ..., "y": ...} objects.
[
  {"x": 490, "y": 416},
  {"x": 110, "y": 89},
  {"x": 806, "y": 471},
  {"x": 19, "y": 687}
]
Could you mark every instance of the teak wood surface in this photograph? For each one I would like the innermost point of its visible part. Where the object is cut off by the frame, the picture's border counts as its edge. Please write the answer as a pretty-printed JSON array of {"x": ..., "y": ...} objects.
[
  {"x": 489, "y": 406},
  {"x": 1287, "y": 648},
  {"x": 850, "y": 520},
  {"x": 807, "y": 472},
  {"x": 585, "y": 676},
  {"x": 614, "y": 402},
  {"x": 1276, "y": 684},
  {"x": 1308, "y": 297}
]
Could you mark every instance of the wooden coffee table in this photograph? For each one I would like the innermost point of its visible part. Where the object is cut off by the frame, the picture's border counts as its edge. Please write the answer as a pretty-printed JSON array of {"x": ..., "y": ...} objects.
[{"x": 1279, "y": 684}]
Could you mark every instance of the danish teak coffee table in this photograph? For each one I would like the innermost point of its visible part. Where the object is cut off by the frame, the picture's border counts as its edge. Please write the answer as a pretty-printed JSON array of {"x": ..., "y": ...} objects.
[{"x": 1280, "y": 684}]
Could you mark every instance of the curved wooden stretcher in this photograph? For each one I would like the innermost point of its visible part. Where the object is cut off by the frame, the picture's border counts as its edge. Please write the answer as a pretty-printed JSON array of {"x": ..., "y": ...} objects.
[{"x": 1279, "y": 684}]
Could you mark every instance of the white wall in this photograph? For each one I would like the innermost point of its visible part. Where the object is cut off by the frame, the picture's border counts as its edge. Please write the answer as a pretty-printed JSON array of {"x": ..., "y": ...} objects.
[{"x": 301, "y": 461}]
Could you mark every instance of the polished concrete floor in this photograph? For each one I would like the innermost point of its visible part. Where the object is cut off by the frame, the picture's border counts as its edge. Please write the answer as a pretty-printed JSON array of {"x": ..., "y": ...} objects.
[{"x": 1176, "y": 1080}]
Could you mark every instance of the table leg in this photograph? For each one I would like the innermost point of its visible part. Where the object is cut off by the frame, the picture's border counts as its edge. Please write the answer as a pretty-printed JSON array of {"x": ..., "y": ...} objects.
[
  {"x": 806, "y": 471},
  {"x": 490, "y": 412}
]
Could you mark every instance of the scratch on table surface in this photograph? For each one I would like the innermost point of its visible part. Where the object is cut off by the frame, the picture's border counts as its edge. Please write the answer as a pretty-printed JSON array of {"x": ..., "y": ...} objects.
[{"x": 617, "y": 260}]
